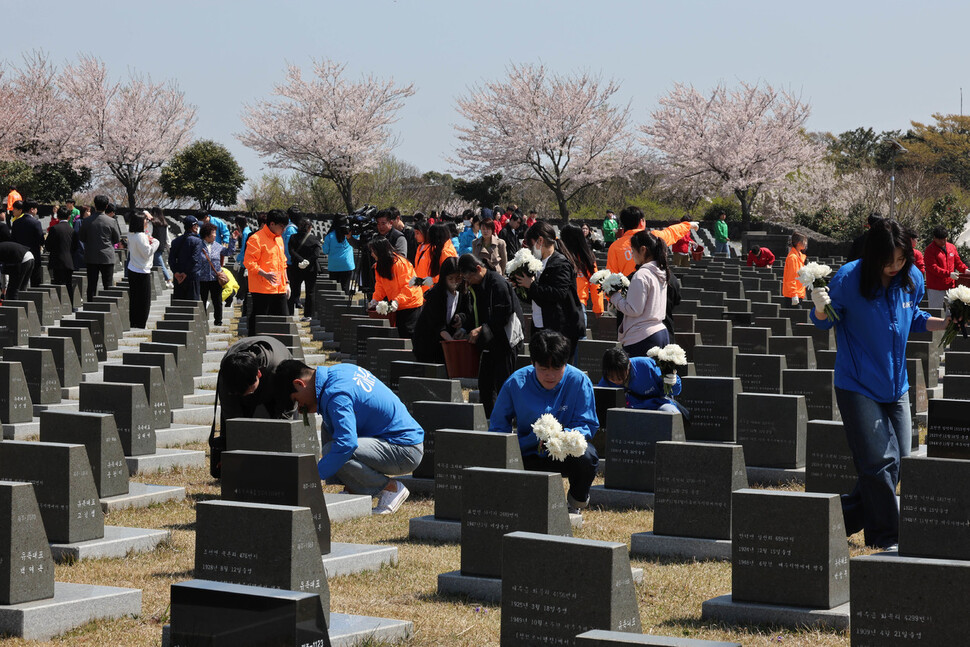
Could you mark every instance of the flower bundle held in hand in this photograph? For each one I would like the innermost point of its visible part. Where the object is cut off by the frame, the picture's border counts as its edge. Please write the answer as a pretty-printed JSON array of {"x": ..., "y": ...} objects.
[
  {"x": 815, "y": 275},
  {"x": 668, "y": 359},
  {"x": 958, "y": 304},
  {"x": 610, "y": 283},
  {"x": 385, "y": 307},
  {"x": 556, "y": 441},
  {"x": 524, "y": 263}
]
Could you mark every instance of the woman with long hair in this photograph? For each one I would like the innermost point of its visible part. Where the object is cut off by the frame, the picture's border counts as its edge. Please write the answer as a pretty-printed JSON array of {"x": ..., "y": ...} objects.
[
  {"x": 876, "y": 304},
  {"x": 141, "y": 253},
  {"x": 160, "y": 233},
  {"x": 304, "y": 249},
  {"x": 393, "y": 278},
  {"x": 339, "y": 250},
  {"x": 795, "y": 260},
  {"x": 436, "y": 248},
  {"x": 645, "y": 304},
  {"x": 440, "y": 318},
  {"x": 577, "y": 244}
]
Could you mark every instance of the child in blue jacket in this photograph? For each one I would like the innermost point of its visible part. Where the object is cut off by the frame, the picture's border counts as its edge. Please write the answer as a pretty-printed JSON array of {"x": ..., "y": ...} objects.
[{"x": 642, "y": 380}]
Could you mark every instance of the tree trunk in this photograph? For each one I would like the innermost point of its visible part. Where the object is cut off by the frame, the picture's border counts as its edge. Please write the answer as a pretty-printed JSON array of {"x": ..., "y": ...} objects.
[
  {"x": 132, "y": 189},
  {"x": 563, "y": 209},
  {"x": 745, "y": 199},
  {"x": 346, "y": 190}
]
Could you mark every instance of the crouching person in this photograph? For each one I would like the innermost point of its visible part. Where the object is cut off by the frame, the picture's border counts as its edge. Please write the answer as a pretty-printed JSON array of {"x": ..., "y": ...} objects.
[
  {"x": 551, "y": 386},
  {"x": 368, "y": 435},
  {"x": 642, "y": 380}
]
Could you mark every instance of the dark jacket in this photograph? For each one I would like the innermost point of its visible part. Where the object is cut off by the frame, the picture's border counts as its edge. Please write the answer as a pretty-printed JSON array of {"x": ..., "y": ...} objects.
[
  {"x": 673, "y": 299},
  {"x": 269, "y": 353},
  {"x": 432, "y": 321},
  {"x": 186, "y": 256},
  {"x": 12, "y": 253},
  {"x": 305, "y": 247},
  {"x": 490, "y": 304},
  {"x": 555, "y": 294},
  {"x": 398, "y": 241},
  {"x": 513, "y": 241},
  {"x": 28, "y": 231},
  {"x": 100, "y": 234},
  {"x": 62, "y": 243},
  {"x": 408, "y": 234}
]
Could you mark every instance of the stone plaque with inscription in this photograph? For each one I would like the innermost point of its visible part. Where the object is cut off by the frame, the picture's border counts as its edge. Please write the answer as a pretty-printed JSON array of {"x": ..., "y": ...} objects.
[
  {"x": 750, "y": 340},
  {"x": 62, "y": 479},
  {"x": 83, "y": 346},
  {"x": 266, "y": 435},
  {"x": 433, "y": 416},
  {"x": 416, "y": 389},
  {"x": 457, "y": 449},
  {"x": 151, "y": 378},
  {"x": 712, "y": 403},
  {"x": 772, "y": 429},
  {"x": 26, "y": 565},
  {"x": 99, "y": 435},
  {"x": 97, "y": 335},
  {"x": 948, "y": 429},
  {"x": 789, "y": 548},
  {"x": 818, "y": 387},
  {"x": 15, "y": 403},
  {"x": 589, "y": 357},
  {"x": 631, "y": 446},
  {"x": 170, "y": 373},
  {"x": 129, "y": 406},
  {"x": 798, "y": 351},
  {"x": 713, "y": 332},
  {"x": 715, "y": 361},
  {"x": 828, "y": 461},
  {"x": 545, "y": 603},
  {"x": 260, "y": 544},
  {"x": 13, "y": 327},
  {"x": 694, "y": 482},
  {"x": 42, "y": 380},
  {"x": 280, "y": 479},
  {"x": 928, "y": 353},
  {"x": 934, "y": 508},
  {"x": 65, "y": 358},
  {"x": 601, "y": 638},
  {"x": 104, "y": 320},
  {"x": 760, "y": 373},
  {"x": 183, "y": 365},
  {"x": 499, "y": 501}
]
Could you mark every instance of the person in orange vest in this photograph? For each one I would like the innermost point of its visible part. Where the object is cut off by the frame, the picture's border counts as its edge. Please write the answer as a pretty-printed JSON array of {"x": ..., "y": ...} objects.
[
  {"x": 790, "y": 286},
  {"x": 393, "y": 278},
  {"x": 265, "y": 261},
  {"x": 619, "y": 259},
  {"x": 12, "y": 197},
  {"x": 585, "y": 263},
  {"x": 437, "y": 246}
]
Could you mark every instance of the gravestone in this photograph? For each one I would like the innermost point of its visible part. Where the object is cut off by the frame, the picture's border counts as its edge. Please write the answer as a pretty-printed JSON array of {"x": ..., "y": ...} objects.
[
  {"x": 96, "y": 333},
  {"x": 42, "y": 381},
  {"x": 928, "y": 353},
  {"x": 13, "y": 327},
  {"x": 631, "y": 446},
  {"x": 948, "y": 429},
  {"x": 66, "y": 362},
  {"x": 825, "y": 359},
  {"x": 109, "y": 307},
  {"x": 760, "y": 373},
  {"x": 29, "y": 314},
  {"x": 818, "y": 387},
  {"x": 956, "y": 363},
  {"x": 711, "y": 402},
  {"x": 779, "y": 326},
  {"x": 798, "y": 351},
  {"x": 457, "y": 449},
  {"x": 103, "y": 319},
  {"x": 714, "y": 332},
  {"x": 192, "y": 356},
  {"x": 601, "y": 638},
  {"x": 606, "y": 398},
  {"x": 751, "y": 341},
  {"x": 715, "y": 361},
  {"x": 367, "y": 332},
  {"x": 789, "y": 548},
  {"x": 828, "y": 462},
  {"x": 416, "y": 389},
  {"x": 596, "y": 592},
  {"x": 772, "y": 429},
  {"x": 170, "y": 373},
  {"x": 270, "y": 545},
  {"x": 182, "y": 362},
  {"x": 934, "y": 509},
  {"x": 821, "y": 339},
  {"x": 150, "y": 377},
  {"x": 407, "y": 368},
  {"x": 262, "y": 435},
  {"x": 433, "y": 416},
  {"x": 26, "y": 565},
  {"x": 694, "y": 482},
  {"x": 64, "y": 485},
  {"x": 129, "y": 406},
  {"x": 99, "y": 435},
  {"x": 15, "y": 402},
  {"x": 589, "y": 357},
  {"x": 277, "y": 478},
  {"x": 918, "y": 399},
  {"x": 956, "y": 387},
  {"x": 496, "y": 502}
]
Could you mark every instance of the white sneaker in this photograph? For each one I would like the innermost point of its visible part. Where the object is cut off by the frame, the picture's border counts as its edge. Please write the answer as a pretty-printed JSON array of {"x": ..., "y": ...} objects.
[{"x": 389, "y": 502}]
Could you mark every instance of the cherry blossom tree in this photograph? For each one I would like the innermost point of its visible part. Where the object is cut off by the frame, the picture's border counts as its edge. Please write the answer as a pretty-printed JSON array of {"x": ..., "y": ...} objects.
[
  {"x": 534, "y": 125},
  {"x": 130, "y": 128},
  {"x": 329, "y": 126},
  {"x": 739, "y": 141}
]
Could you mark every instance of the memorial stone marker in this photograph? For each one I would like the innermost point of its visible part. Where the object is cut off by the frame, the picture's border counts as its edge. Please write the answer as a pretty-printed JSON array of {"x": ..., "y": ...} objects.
[
  {"x": 66, "y": 362},
  {"x": 15, "y": 403},
  {"x": 433, "y": 416},
  {"x": 99, "y": 435},
  {"x": 150, "y": 377},
  {"x": 42, "y": 381},
  {"x": 828, "y": 462},
  {"x": 26, "y": 565},
  {"x": 934, "y": 509},
  {"x": 772, "y": 429},
  {"x": 818, "y": 387},
  {"x": 760, "y": 373},
  {"x": 457, "y": 449},
  {"x": 631, "y": 446},
  {"x": 262, "y": 435},
  {"x": 129, "y": 406},
  {"x": 712, "y": 405}
]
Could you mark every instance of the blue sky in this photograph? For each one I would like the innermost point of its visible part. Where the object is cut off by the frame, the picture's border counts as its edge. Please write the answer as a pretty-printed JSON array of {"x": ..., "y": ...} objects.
[{"x": 876, "y": 64}]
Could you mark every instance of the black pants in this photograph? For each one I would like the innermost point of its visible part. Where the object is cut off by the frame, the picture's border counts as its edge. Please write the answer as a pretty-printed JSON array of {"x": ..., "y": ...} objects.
[
  {"x": 65, "y": 278},
  {"x": 292, "y": 271},
  {"x": 406, "y": 319},
  {"x": 660, "y": 338},
  {"x": 19, "y": 276},
  {"x": 36, "y": 273},
  {"x": 343, "y": 278},
  {"x": 187, "y": 289},
  {"x": 495, "y": 367},
  {"x": 140, "y": 298},
  {"x": 308, "y": 278},
  {"x": 265, "y": 304},
  {"x": 105, "y": 271},
  {"x": 578, "y": 470},
  {"x": 212, "y": 290}
]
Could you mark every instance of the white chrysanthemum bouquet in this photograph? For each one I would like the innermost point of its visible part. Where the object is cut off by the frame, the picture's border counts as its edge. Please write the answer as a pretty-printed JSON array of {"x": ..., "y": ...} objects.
[
  {"x": 668, "y": 359},
  {"x": 385, "y": 307},
  {"x": 958, "y": 303},
  {"x": 815, "y": 275},
  {"x": 524, "y": 263},
  {"x": 610, "y": 283},
  {"x": 556, "y": 441}
]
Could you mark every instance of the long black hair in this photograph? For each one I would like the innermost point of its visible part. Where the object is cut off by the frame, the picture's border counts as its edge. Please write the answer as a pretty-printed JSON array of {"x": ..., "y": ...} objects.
[
  {"x": 882, "y": 241},
  {"x": 438, "y": 236},
  {"x": 578, "y": 245},
  {"x": 386, "y": 256},
  {"x": 655, "y": 247},
  {"x": 542, "y": 229}
]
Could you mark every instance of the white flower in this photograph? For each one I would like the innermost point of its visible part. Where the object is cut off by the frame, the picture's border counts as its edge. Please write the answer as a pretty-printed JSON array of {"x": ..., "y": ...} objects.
[
  {"x": 676, "y": 354},
  {"x": 546, "y": 427},
  {"x": 615, "y": 283},
  {"x": 811, "y": 272},
  {"x": 383, "y": 307},
  {"x": 556, "y": 448},
  {"x": 524, "y": 259},
  {"x": 574, "y": 443},
  {"x": 599, "y": 277},
  {"x": 960, "y": 293},
  {"x": 654, "y": 352}
]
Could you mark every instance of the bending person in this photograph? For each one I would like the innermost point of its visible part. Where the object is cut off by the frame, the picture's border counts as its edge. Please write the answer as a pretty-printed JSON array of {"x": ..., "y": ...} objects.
[{"x": 642, "y": 380}]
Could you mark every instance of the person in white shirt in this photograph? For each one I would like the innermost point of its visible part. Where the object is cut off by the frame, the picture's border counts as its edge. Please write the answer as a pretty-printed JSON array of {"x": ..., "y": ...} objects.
[{"x": 141, "y": 257}]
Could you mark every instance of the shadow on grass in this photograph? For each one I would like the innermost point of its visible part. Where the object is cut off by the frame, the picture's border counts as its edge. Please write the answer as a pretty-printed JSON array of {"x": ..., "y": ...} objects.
[
  {"x": 746, "y": 628},
  {"x": 188, "y": 573},
  {"x": 189, "y": 527},
  {"x": 396, "y": 541},
  {"x": 204, "y": 496},
  {"x": 457, "y": 597}
]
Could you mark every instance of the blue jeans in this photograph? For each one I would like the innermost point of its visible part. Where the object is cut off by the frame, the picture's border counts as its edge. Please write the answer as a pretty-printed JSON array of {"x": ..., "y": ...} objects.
[
  {"x": 660, "y": 338},
  {"x": 879, "y": 435},
  {"x": 722, "y": 248},
  {"x": 160, "y": 262}
]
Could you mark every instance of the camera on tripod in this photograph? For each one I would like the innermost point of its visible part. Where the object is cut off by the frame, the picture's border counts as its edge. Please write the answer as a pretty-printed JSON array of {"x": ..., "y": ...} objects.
[{"x": 362, "y": 224}]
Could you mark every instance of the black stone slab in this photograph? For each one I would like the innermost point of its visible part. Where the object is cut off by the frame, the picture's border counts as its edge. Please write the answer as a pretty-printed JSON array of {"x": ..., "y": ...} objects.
[
  {"x": 151, "y": 378},
  {"x": 789, "y": 548},
  {"x": 29, "y": 313},
  {"x": 750, "y": 340},
  {"x": 63, "y": 295},
  {"x": 828, "y": 462},
  {"x": 544, "y": 603},
  {"x": 370, "y": 360},
  {"x": 694, "y": 482},
  {"x": 408, "y": 368},
  {"x": 606, "y": 397},
  {"x": 193, "y": 356},
  {"x": 631, "y": 446},
  {"x": 934, "y": 508},
  {"x": 818, "y": 387},
  {"x": 456, "y": 449},
  {"x": 278, "y": 478},
  {"x": 26, "y": 565},
  {"x": 416, "y": 389},
  {"x": 590, "y": 357},
  {"x": 66, "y": 361},
  {"x": 191, "y": 338},
  {"x": 798, "y": 351},
  {"x": 99, "y": 435},
  {"x": 183, "y": 363},
  {"x": 13, "y": 327},
  {"x": 170, "y": 373},
  {"x": 217, "y": 613},
  {"x": 264, "y": 435},
  {"x": 95, "y": 331},
  {"x": 40, "y": 372},
  {"x": 779, "y": 326},
  {"x": 129, "y": 406},
  {"x": 956, "y": 387},
  {"x": 760, "y": 373},
  {"x": 765, "y": 310},
  {"x": 63, "y": 483},
  {"x": 433, "y": 416},
  {"x": 714, "y": 332},
  {"x": 772, "y": 429},
  {"x": 601, "y": 638},
  {"x": 110, "y": 307},
  {"x": 708, "y": 313},
  {"x": 825, "y": 359},
  {"x": 957, "y": 363},
  {"x": 821, "y": 339},
  {"x": 711, "y": 402},
  {"x": 261, "y": 545},
  {"x": 715, "y": 361},
  {"x": 109, "y": 332},
  {"x": 928, "y": 353},
  {"x": 15, "y": 403},
  {"x": 46, "y": 310}
]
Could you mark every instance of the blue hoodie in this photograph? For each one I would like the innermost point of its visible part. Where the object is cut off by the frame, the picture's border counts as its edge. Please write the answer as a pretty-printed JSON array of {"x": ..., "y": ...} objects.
[
  {"x": 355, "y": 404},
  {"x": 465, "y": 240},
  {"x": 522, "y": 398},
  {"x": 871, "y": 334},
  {"x": 340, "y": 256},
  {"x": 645, "y": 380},
  {"x": 240, "y": 257},
  {"x": 222, "y": 230},
  {"x": 288, "y": 231}
]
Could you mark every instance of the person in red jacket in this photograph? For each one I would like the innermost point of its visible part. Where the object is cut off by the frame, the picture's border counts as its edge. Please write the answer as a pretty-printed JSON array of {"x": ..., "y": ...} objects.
[
  {"x": 760, "y": 257},
  {"x": 917, "y": 255},
  {"x": 943, "y": 267}
]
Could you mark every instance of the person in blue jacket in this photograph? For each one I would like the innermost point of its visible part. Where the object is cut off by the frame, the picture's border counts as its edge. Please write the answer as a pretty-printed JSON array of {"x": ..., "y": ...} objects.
[
  {"x": 222, "y": 229},
  {"x": 368, "y": 434},
  {"x": 642, "y": 380},
  {"x": 876, "y": 302},
  {"x": 296, "y": 217},
  {"x": 340, "y": 253},
  {"x": 550, "y": 385},
  {"x": 469, "y": 233}
]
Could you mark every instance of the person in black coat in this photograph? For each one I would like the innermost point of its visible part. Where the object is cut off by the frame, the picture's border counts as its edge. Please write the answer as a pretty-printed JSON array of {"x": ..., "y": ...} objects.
[
  {"x": 28, "y": 231},
  {"x": 186, "y": 258},
  {"x": 511, "y": 233},
  {"x": 304, "y": 250},
  {"x": 62, "y": 243},
  {"x": 441, "y": 317},
  {"x": 17, "y": 262},
  {"x": 493, "y": 311},
  {"x": 555, "y": 301}
]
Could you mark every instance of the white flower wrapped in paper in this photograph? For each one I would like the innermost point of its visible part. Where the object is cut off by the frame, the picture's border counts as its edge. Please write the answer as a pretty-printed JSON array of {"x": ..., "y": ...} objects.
[
  {"x": 958, "y": 307},
  {"x": 615, "y": 283},
  {"x": 959, "y": 293},
  {"x": 668, "y": 359}
]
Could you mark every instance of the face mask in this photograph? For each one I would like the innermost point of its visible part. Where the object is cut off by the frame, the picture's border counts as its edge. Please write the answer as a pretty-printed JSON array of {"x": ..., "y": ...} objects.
[{"x": 537, "y": 250}]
